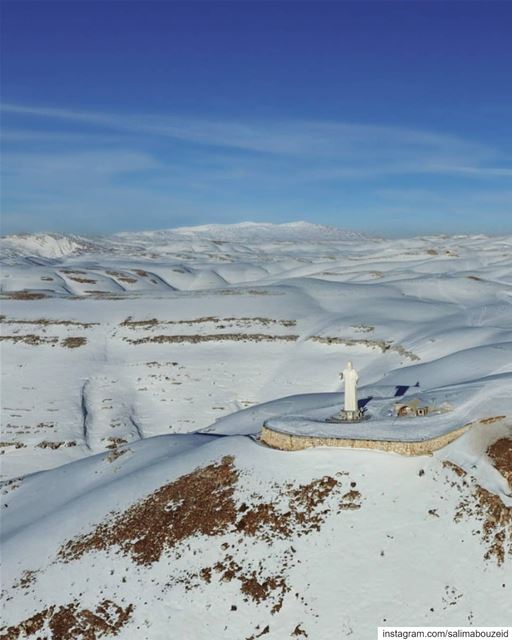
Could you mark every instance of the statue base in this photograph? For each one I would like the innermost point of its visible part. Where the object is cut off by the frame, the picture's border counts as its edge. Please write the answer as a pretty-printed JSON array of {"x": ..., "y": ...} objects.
[{"x": 348, "y": 416}]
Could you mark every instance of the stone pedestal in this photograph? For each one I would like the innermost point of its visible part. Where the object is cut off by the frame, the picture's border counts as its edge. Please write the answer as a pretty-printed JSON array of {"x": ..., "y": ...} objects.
[{"x": 348, "y": 416}]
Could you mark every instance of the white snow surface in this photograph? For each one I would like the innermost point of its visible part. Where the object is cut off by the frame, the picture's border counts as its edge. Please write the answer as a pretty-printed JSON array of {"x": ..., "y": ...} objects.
[
  {"x": 172, "y": 348},
  {"x": 46, "y": 245},
  {"x": 255, "y": 231}
]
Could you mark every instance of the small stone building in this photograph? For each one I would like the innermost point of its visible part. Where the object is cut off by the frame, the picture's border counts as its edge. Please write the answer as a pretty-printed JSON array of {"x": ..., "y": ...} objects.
[{"x": 403, "y": 409}]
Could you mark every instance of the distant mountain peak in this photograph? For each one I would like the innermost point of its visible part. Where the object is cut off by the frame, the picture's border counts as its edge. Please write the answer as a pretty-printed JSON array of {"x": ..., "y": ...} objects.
[{"x": 292, "y": 231}]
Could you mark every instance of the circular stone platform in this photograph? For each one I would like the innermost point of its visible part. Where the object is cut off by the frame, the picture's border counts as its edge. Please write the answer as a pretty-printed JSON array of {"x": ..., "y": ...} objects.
[{"x": 413, "y": 437}]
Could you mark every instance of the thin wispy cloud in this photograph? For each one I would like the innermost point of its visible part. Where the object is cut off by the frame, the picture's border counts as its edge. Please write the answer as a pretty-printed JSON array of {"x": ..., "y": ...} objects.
[
  {"x": 58, "y": 162},
  {"x": 479, "y": 172},
  {"x": 363, "y": 147}
]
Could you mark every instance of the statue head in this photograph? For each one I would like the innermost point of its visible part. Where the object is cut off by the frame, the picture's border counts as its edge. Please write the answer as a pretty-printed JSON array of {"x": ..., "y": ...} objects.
[{"x": 349, "y": 365}]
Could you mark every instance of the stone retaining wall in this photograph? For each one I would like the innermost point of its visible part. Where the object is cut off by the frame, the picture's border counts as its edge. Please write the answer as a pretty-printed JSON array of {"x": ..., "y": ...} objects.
[{"x": 292, "y": 442}]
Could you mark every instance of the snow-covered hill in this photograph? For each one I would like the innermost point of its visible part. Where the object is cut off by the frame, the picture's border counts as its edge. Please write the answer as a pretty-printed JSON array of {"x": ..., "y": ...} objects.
[
  {"x": 254, "y": 231},
  {"x": 45, "y": 245},
  {"x": 137, "y": 371},
  {"x": 58, "y": 245}
]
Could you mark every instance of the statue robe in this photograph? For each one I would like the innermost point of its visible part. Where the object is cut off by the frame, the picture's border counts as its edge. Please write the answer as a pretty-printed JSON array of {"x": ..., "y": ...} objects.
[{"x": 350, "y": 378}]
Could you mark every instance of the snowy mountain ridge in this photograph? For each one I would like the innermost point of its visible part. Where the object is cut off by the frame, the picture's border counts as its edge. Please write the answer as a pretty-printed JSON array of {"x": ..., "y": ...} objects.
[
  {"x": 58, "y": 245},
  {"x": 289, "y": 231}
]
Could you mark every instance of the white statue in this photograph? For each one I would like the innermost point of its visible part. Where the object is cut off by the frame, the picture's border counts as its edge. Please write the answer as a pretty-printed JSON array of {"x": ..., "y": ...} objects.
[{"x": 350, "y": 377}]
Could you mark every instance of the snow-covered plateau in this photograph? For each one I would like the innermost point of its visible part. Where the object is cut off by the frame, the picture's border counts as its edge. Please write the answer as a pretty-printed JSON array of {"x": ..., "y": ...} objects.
[{"x": 137, "y": 372}]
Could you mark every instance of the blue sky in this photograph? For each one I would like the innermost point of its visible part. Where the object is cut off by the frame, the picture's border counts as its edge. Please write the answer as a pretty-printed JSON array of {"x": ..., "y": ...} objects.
[{"x": 389, "y": 117}]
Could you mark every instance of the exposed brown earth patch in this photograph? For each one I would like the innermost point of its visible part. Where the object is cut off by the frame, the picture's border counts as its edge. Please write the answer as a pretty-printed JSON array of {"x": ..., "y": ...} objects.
[
  {"x": 448, "y": 464},
  {"x": 16, "y": 444},
  {"x": 116, "y": 453},
  {"x": 350, "y": 501},
  {"x": 298, "y": 632},
  {"x": 300, "y": 510},
  {"x": 489, "y": 509},
  {"x": 72, "y": 342},
  {"x": 46, "y": 322},
  {"x": 254, "y": 584},
  {"x": 202, "y": 503},
  {"x": 219, "y": 337},
  {"x": 102, "y": 295},
  {"x": 363, "y": 328},
  {"x": 198, "y": 503},
  {"x": 244, "y": 292},
  {"x": 24, "y": 295},
  {"x": 491, "y": 419},
  {"x": 114, "y": 442},
  {"x": 153, "y": 322},
  {"x": 128, "y": 279},
  {"x": 82, "y": 280},
  {"x": 259, "y": 590},
  {"x": 301, "y": 514},
  {"x": 501, "y": 455},
  {"x": 31, "y": 339},
  {"x": 48, "y": 444},
  {"x": 68, "y": 622},
  {"x": 496, "y": 521},
  {"x": 259, "y": 634},
  {"x": 26, "y": 580},
  {"x": 123, "y": 277},
  {"x": 261, "y": 320},
  {"x": 383, "y": 345},
  {"x": 10, "y": 485}
]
